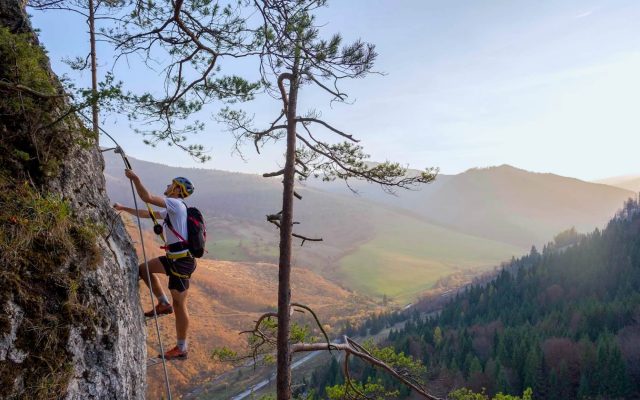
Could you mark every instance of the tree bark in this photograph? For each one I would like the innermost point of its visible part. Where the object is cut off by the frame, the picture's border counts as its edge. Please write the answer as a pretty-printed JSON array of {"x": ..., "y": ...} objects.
[
  {"x": 94, "y": 67},
  {"x": 283, "y": 382}
]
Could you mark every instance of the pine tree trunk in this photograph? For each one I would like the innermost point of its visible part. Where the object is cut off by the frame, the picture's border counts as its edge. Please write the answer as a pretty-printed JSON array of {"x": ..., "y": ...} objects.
[
  {"x": 283, "y": 384},
  {"x": 94, "y": 67}
]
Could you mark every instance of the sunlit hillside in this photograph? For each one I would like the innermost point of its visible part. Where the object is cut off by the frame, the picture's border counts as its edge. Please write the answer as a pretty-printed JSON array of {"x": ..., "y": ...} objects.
[
  {"x": 507, "y": 204},
  {"x": 397, "y": 246},
  {"x": 627, "y": 182},
  {"x": 236, "y": 206}
]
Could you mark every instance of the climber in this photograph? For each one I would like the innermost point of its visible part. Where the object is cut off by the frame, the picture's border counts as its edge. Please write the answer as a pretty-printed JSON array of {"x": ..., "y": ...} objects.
[{"x": 178, "y": 263}]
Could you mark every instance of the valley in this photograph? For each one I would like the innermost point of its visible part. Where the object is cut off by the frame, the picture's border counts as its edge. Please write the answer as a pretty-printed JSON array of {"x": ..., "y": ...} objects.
[{"x": 374, "y": 257}]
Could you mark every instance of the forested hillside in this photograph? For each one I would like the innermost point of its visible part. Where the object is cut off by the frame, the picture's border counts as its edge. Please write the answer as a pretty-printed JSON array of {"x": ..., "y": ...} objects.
[{"x": 565, "y": 322}]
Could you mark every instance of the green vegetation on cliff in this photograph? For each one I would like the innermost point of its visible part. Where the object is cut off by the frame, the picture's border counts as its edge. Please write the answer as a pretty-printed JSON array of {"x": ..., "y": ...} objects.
[{"x": 44, "y": 246}]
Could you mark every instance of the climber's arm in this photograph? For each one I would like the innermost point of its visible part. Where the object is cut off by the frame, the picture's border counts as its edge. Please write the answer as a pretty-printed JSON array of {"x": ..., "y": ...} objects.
[
  {"x": 133, "y": 211},
  {"x": 143, "y": 192}
]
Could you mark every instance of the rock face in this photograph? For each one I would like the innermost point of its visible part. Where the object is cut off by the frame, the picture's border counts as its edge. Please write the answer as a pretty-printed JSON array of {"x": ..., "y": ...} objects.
[
  {"x": 70, "y": 319},
  {"x": 113, "y": 363}
]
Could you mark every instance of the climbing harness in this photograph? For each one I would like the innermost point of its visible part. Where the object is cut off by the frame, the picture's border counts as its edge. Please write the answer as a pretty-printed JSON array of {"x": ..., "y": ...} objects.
[{"x": 119, "y": 150}]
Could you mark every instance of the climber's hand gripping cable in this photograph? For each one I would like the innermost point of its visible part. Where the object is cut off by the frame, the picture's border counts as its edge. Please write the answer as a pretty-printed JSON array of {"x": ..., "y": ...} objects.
[{"x": 147, "y": 198}]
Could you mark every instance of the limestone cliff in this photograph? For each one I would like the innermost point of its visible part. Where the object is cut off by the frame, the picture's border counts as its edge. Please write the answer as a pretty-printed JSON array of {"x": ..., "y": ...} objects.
[{"x": 70, "y": 320}]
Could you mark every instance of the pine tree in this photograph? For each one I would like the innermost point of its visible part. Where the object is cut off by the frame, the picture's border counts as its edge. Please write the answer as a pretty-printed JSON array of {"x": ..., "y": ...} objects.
[
  {"x": 534, "y": 369},
  {"x": 584, "y": 389}
]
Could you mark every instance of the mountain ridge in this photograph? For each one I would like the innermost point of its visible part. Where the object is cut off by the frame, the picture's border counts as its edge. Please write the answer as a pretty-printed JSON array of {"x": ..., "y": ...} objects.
[
  {"x": 236, "y": 205},
  {"x": 628, "y": 182},
  {"x": 507, "y": 203}
]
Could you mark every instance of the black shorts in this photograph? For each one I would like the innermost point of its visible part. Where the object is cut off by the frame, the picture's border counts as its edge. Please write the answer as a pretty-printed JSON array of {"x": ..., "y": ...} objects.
[{"x": 182, "y": 266}]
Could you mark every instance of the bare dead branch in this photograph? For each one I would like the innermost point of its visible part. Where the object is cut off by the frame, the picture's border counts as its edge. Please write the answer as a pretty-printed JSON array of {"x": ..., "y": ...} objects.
[
  {"x": 16, "y": 87},
  {"x": 264, "y": 316},
  {"x": 263, "y": 338},
  {"x": 272, "y": 174},
  {"x": 349, "y": 381},
  {"x": 276, "y": 218},
  {"x": 315, "y": 317},
  {"x": 349, "y": 348}
]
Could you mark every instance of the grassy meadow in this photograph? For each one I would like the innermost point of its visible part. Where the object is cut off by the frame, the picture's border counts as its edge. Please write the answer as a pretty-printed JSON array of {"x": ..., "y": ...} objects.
[
  {"x": 408, "y": 255},
  {"x": 404, "y": 255}
]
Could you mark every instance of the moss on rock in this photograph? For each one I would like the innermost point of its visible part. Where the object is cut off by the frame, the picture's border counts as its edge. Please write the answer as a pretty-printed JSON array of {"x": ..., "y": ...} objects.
[{"x": 34, "y": 138}]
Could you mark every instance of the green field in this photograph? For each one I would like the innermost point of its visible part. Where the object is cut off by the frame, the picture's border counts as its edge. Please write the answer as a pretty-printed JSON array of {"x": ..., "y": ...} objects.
[
  {"x": 237, "y": 241},
  {"x": 408, "y": 255},
  {"x": 405, "y": 256}
]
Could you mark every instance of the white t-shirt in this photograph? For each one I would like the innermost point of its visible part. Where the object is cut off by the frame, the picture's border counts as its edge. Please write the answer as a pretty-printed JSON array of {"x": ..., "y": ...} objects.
[{"x": 177, "y": 211}]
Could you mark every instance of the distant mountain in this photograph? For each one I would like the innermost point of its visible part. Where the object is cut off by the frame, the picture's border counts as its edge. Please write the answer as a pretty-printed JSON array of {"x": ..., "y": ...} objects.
[
  {"x": 507, "y": 204},
  {"x": 628, "y": 182},
  {"x": 367, "y": 245}
]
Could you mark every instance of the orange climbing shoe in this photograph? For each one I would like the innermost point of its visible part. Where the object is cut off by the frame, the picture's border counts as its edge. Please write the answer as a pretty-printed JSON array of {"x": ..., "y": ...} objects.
[
  {"x": 175, "y": 354},
  {"x": 161, "y": 309}
]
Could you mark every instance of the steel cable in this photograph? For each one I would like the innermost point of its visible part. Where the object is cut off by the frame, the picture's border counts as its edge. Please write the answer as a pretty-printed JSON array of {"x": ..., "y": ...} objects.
[{"x": 120, "y": 151}]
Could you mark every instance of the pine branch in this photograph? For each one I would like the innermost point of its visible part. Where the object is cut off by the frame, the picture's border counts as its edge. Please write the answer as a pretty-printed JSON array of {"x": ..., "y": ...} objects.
[
  {"x": 272, "y": 174},
  {"x": 326, "y": 125},
  {"x": 336, "y": 93}
]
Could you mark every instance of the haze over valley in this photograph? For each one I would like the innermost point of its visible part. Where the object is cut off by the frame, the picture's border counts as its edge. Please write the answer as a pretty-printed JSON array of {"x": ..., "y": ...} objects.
[{"x": 384, "y": 245}]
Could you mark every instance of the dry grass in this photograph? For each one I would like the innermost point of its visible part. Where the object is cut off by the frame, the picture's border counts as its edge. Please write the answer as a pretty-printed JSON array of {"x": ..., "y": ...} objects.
[
  {"x": 227, "y": 297},
  {"x": 43, "y": 248}
]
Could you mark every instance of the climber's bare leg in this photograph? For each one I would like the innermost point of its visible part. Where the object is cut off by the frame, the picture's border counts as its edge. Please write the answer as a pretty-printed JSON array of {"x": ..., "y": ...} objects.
[
  {"x": 181, "y": 312},
  {"x": 155, "y": 267}
]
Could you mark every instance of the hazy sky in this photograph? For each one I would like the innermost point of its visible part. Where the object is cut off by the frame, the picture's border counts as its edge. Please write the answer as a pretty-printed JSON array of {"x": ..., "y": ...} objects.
[{"x": 548, "y": 86}]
